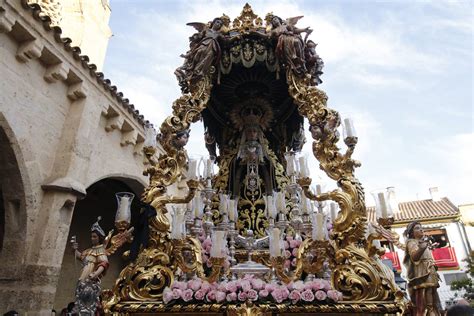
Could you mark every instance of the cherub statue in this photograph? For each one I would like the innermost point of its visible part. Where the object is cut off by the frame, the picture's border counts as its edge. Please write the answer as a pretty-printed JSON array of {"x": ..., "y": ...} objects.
[
  {"x": 290, "y": 45},
  {"x": 205, "y": 52},
  {"x": 423, "y": 280},
  {"x": 314, "y": 63},
  {"x": 181, "y": 138}
]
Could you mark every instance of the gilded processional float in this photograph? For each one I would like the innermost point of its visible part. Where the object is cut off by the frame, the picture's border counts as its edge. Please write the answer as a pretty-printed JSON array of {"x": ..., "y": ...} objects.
[{"x": 253, "y": 238}]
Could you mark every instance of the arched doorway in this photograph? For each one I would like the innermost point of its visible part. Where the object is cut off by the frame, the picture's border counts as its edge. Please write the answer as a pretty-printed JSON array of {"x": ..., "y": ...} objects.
[
  {"x": 12, "y": 206},
  {"x": 99, "y": 201}
]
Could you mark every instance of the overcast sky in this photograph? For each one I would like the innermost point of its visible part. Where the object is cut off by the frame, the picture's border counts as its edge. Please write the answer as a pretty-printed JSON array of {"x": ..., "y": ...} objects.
[{"x": 401, "y": 69}]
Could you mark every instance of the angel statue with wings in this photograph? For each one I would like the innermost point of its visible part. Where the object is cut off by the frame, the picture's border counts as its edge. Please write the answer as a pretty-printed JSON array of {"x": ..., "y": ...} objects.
[
  {"x": 290, "y": 44},
  {"x": 95, "y": 264},
  {"x": 205, "y": 51}
]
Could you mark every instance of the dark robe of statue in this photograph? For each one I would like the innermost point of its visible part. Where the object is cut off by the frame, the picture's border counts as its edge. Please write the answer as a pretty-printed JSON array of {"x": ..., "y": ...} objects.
[{"x": 252, "y": 163}]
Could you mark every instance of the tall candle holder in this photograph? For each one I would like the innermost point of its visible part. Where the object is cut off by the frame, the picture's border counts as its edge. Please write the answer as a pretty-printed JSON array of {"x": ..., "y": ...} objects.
[{"x": 207, "y": 194}]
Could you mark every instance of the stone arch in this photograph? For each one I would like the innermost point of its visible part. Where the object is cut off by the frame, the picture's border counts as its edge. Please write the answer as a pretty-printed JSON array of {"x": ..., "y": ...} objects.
[
  {"x": 13, "y": 203},
  {"x": 99, "y": 201}
]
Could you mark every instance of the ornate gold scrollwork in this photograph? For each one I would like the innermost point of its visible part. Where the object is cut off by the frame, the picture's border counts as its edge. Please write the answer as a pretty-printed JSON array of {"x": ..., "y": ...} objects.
[
  {"x": 146, "y": 277},
  {"x": 358, "y": 273},
  {"x": 356, "y": 269}
]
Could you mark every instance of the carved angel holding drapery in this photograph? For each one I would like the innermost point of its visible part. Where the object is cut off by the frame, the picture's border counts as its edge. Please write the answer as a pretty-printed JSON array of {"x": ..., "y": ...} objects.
[
  {"x": 204, "y": 53},
  {"x": 290, "y": 45}
]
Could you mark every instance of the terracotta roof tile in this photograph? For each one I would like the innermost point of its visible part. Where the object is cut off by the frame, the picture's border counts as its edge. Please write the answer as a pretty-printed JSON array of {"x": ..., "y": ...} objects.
[
  {"x": 420, "y": 210},
  {"x": 76, "y": 54}
]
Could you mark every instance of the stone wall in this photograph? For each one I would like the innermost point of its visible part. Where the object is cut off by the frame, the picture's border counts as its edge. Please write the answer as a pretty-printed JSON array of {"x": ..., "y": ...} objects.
[{"x": 63, "y": 127}]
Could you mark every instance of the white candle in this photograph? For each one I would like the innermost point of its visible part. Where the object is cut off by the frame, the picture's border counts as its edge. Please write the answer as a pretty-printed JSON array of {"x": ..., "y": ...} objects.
[
  {"x": 349, "y": 128},
  {"x": 304, "y": 204},
  {"x": 191, "y": 210},
  {"x": 281, "y": 203},
  {"x": 231, "y": 213},
  {"x": 318, "y": 189},
  {"x": 150, "y": 136},
  {"x": 223, "y": 204},
  {"x": 192, "y": 171},
  {"x": 320, "y": 226},
  {"x": 272, "y": 207},
  {"x": 123, "y": 213},
  {"x": 275, "y": 249},
  {"x": 334, "y": 210},
  {"x": 197, "y": 205},
  {"x": 304, "y": 171},
  {"x": 314, "y": 230},
  {"x": 177, "y": 229},
  {"x": 382, "y": 205},
  {"x": 208, "y": 173},
  {"x": 217, "y": 248},
  {"x": 290, "y": 163},
  {"x": 124, "y": 203}
]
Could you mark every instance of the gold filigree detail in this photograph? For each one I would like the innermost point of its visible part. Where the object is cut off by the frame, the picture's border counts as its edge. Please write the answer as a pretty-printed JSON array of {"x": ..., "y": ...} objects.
[{"x": 247, "y": 20}]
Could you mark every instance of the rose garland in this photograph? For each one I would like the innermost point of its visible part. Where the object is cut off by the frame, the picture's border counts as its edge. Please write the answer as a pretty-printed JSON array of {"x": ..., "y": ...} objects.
[{"x": 251, "y": 289}]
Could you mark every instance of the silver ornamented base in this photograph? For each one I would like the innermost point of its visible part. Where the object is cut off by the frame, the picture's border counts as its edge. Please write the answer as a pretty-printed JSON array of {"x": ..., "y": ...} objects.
[{"x": 250, "y": 267}]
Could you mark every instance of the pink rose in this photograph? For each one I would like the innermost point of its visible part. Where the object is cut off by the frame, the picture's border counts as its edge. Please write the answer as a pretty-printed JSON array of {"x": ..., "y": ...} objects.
[
  {"x": 168, "y": 295},
  {"x": 245, "y": 284},
  {"x": 176, "y": 293},
  {"x": 231, "y": 286},
  {"x": 298, "y": 285},
  {"x": 187, "y": 295},
  {"x": 286, "y": 244},
  {"x": 287, "y": 264},
  {"x": 333, "y": 295},
  {"x": 207, "y": 243},
  {"x": 293, "y": 262},
  {"x": 211, "y": 296},
  {"x": 293, "y": 243},
  {"x": 231, "y": 297},
  {"x": 270, "y": 287},
  {"x": 200, "y": 294},
  {"x": 298, "y": 243},
  {"x": 263, "y": 293},
  {"x": 220, "y": 296},
  {"x": 207, "y": 249},
  {"x": 222, "y": 286},
  {"x": 320, "y": 295},
  {"x": 287, "y": 254},
  {"x": 284, "y": 292},
  {"x": 294, "y": 296},
  {"x": 242, "y": 296},
  {"x": 307, "y": 296},
  {"x": 289, "y": 238},
  {"x": 205, "y": 286},
  {"x": 257, "y": 284},
  {"x": 294, "y": 252},
  {"x": 317, "y": 284},
  {"x": 179, "y": 285},
  {"x": 326, "y": 285},
  {"x": 252, "y": 295},
  {"x": 194, "y": 284},
  {"x": 278, "y": 295}
]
